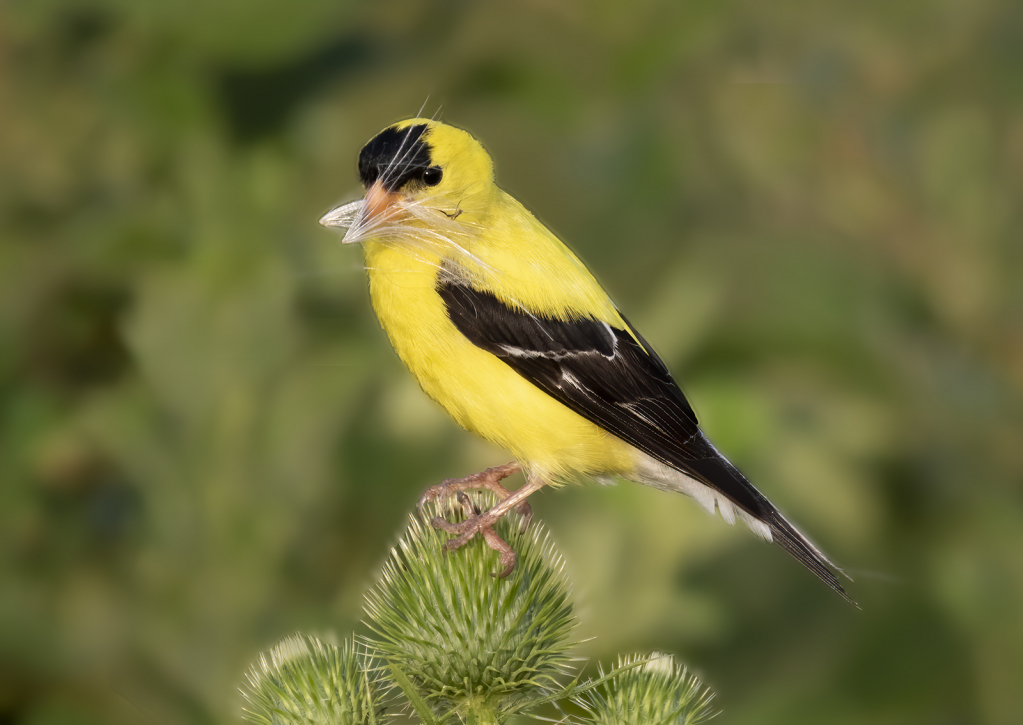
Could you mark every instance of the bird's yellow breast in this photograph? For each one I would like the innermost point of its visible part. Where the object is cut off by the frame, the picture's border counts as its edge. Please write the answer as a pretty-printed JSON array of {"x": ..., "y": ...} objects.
[{"x": 479, "y": 391}]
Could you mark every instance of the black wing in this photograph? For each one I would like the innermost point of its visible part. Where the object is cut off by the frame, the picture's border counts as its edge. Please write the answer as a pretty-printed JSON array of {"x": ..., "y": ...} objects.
[
  {"x": 614, "y": 379},
  {"x": 603, "y": 374}
]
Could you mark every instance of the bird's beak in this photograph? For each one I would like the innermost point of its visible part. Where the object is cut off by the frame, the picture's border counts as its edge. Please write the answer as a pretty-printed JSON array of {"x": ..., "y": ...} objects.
[
  {"x": 377, "y": 206},
  {"x": 379, "y": 202},
  {"x": 344, "y": 216}
]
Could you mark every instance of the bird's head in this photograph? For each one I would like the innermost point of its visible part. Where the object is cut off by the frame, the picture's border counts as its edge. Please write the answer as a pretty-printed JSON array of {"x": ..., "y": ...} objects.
[{"x": 425, "y": 182}]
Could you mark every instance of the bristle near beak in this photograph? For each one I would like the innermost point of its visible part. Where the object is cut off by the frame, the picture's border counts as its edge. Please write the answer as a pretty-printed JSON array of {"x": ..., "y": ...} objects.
[
  {"x": 358, "y": 216},
  {"x": 342, "y": 217}
]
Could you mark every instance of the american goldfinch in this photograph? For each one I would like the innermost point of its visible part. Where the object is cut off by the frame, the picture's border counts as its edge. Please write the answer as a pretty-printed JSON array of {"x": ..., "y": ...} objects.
[{"x": 504, "y": 327}]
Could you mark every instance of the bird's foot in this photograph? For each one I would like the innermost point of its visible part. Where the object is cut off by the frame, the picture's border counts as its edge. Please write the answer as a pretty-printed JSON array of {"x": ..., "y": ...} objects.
[
  {"x": 477, "y": 523},
  {"x": 489, "y": 479},
  {"x": 483, "y": 523}
]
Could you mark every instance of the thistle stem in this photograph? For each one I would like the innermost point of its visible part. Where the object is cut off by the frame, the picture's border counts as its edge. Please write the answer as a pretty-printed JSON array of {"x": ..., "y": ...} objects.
[{"x": 477, "y": 711}]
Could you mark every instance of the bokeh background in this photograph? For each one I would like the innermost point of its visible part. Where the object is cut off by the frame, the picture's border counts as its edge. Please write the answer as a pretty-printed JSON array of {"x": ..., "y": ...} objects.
[{"x": 811, "y": 209}]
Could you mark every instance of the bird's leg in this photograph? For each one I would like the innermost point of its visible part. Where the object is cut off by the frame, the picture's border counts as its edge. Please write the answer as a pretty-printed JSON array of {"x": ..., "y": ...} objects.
[
  {"x": 489, "y": 479},
  {"x": 483, "y": 523}
]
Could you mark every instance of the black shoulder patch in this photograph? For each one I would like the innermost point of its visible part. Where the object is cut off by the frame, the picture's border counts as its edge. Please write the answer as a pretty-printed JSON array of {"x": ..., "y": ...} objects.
[{"x": 395, "y": 157}]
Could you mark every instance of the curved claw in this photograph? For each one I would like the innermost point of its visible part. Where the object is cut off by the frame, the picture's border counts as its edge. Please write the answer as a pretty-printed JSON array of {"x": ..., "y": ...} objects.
[
  {"x": 467, "y": 505},
  {"x": 508, "y": 555},
  {"x": 431, "y": 494}
]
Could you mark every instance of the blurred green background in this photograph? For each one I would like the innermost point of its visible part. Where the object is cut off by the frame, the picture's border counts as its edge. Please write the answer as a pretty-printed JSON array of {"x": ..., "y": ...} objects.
[{"x": 811, "y": 209}]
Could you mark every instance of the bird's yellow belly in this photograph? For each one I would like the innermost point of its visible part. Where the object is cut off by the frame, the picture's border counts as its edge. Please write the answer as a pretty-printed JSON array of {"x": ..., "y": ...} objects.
[{"x": 482, "y": 394}]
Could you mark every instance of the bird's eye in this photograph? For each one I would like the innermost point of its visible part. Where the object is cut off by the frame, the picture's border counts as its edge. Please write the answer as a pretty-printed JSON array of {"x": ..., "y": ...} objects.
[{"x": 433, "y": 175}]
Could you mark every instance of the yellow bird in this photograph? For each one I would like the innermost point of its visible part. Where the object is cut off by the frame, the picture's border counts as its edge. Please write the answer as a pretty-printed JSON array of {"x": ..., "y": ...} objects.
[{"x": 504, "y": 327}]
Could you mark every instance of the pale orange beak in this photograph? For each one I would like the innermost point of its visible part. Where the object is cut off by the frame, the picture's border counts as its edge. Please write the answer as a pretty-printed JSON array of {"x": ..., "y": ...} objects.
[{"x": 379, "y": 202}]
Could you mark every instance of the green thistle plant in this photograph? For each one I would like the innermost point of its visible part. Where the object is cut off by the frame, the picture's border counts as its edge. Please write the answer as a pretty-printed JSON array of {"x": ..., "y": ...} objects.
[
  {"x": 305, "y": 681},
  {"x": 647, "y": 691},
  {"x": 461, "y": 645},
  {"x": 469, "y": 643}
]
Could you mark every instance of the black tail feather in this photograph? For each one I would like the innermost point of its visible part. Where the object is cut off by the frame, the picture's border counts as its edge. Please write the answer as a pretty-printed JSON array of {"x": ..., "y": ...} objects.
[
  {"x": 718, "y": 472},
  {"x": 787, "y": 537}
]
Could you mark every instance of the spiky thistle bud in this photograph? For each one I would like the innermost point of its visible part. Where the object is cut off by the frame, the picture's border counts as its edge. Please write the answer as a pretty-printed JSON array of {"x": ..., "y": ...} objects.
[
  {"x": 305, "y": 681},
  {"x": 467, "y": 641},
  {"x": 657, "y": 692}
]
